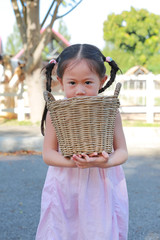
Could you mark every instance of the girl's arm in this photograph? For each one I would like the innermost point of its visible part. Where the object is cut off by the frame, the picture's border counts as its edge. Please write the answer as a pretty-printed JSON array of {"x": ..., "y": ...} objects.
[
  {"x": 120, "y": 154},
  {"x": 50, "y": 153}
]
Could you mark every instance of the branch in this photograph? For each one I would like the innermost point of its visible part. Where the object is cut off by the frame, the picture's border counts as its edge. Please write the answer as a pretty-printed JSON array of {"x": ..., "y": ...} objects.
[
  {"x": 37, "y": 52},
  {"x": 69, "y": 10},
  {"x": 20, "y": 22},
  {"x": 24, "y": 11},
  {"x": 45, "y": 38},
  {"x": 52, "y": 20},
  {"x": 54, "y": 17},
  {"x": 47, "y": 13}
]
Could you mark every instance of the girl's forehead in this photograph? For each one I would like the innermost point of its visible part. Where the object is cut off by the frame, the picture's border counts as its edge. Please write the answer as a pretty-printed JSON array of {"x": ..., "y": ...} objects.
[
  {"x": 74, "y": 62},
  {"x": 79, "y": 63},
  {"x": 80, "y": 70}
]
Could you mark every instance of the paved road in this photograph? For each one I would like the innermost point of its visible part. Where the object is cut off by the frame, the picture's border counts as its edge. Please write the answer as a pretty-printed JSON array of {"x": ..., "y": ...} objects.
[{"x": 22, "y": 178}]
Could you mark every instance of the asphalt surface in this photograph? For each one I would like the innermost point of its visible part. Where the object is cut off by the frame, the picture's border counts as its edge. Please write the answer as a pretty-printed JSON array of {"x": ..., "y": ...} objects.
[{"x": 22, "y": 178}]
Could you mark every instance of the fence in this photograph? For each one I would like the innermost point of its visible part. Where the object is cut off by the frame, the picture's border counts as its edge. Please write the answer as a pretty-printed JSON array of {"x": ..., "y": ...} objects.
[
  {"x": 22, "y": 104},
  {"x": 19, "y": 98},
  {"x": 148, "y": 92},
  {"x": 138, "y": 95}
]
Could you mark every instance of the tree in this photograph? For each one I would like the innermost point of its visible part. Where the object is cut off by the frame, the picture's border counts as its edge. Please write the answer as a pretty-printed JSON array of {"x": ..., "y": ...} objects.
[
  {"x": 136, "y": 32},
  {"x": 125, "y": 60},
  {"x": 27, "y": 17},
  {"x": 153, "y": 64},
  {"x": 14, "y": 42}
]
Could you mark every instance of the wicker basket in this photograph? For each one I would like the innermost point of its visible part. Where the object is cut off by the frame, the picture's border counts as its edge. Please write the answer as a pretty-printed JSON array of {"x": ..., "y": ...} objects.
[{"x": 84, "y": 124}]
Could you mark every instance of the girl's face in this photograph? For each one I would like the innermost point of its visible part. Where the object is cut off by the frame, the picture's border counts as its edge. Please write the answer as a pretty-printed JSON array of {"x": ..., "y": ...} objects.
[{"x": 78, "y": 80}]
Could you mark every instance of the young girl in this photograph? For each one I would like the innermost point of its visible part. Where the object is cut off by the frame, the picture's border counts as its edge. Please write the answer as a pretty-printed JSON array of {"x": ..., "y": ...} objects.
[{"x": 85, "y": 196}]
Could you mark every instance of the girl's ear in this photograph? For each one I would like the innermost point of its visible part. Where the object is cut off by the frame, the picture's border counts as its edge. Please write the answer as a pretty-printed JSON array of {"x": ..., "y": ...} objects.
[
  {"x": 103, "y": 81},
  {"x": 60, "y": 81}
]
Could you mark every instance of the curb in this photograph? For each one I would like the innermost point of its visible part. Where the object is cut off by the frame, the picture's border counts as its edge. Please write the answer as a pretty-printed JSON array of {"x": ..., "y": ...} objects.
[
  {"x": 12, "y": 144},
  {"x": 140, "y": 141}
]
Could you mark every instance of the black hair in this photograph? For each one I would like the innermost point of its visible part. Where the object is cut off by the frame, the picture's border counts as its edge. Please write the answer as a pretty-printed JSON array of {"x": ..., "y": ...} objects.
[{"x": 94, "y": 58}]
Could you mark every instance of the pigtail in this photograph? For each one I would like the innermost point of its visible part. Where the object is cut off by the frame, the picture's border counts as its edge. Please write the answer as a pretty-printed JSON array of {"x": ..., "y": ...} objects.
[
  {"x": 114, "y": 69},
  {"x": 48, "y": 72}
]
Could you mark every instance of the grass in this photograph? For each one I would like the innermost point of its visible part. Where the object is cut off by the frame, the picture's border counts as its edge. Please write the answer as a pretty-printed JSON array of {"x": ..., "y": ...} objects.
[
  {"x": 126, "y": 123},
  {"x": 135, "y": 123},
  {"x": 15, "y": 122}
]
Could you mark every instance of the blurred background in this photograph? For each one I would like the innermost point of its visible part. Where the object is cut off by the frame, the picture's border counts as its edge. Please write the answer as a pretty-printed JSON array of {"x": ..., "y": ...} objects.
[{"x": 33, "y": 32}]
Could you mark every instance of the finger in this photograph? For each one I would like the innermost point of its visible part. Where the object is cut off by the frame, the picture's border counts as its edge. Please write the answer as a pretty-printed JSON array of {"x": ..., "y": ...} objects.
[
  {"x": 76, "y": 158},
  {"x": 86, "y": 157},
  {"x": 90, "y": 159},
  {"x": 93, "y": 154},
  {"x": 105, "y": 155}
]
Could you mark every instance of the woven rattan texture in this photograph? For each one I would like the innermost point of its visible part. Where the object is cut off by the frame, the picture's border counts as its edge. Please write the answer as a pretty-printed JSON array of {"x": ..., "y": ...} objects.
[{"x": 84, "y": 124}]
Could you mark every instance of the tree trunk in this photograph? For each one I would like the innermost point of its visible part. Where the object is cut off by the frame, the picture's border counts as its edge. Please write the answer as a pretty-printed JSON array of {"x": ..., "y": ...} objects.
[
  {"x": 34, "y": 42},
  {"x": 35, "y": 94},
  {"x": 35, "y": 91}
]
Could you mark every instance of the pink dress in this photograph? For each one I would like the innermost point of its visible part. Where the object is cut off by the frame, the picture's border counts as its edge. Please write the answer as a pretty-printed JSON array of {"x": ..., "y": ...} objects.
[{"x": 84, "y": 204}]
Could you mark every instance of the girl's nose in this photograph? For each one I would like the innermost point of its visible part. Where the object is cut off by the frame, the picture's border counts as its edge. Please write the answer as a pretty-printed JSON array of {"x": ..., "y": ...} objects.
[{"x": 80, "y": 90}]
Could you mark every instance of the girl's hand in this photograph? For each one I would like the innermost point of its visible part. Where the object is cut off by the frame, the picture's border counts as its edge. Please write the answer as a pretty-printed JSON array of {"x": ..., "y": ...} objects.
[{"x": 93, "y": 160}]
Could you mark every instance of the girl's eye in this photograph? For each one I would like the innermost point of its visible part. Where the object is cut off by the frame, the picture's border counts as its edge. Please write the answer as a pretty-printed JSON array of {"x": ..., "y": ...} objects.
[
  {"x": 88, "y": 82},
  {"x": 72, "y": 83}
]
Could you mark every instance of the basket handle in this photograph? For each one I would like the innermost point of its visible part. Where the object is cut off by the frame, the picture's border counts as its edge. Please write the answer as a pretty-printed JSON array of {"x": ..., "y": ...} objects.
[
  {"x": 48, "y": 97},
  {"x": 117, "y": 89}
]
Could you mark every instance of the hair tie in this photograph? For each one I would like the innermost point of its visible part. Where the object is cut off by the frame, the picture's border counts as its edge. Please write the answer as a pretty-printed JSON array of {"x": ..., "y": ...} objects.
[
  {"x": 108, "y": 59},
  {"x": 52, "y": 61}
]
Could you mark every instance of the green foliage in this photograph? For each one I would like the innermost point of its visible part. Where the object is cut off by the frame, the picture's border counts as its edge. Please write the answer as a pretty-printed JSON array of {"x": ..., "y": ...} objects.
[
  {"x": 153, "y": 64},
  {"x": 45, "y": 52},
  {"x": 62, "y": 29},
  {"x": 157, "y": 101},
  {"x": 136, "y": 34},
  {"x": 14, "y": 42},
  {"x": 125, "y": 60}
]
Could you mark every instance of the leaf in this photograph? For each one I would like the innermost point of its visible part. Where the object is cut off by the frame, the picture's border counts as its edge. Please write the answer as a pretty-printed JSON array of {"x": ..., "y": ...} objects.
[
  {"x": 20, "y": 152},
  {"x": 136, "y": 32}
]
